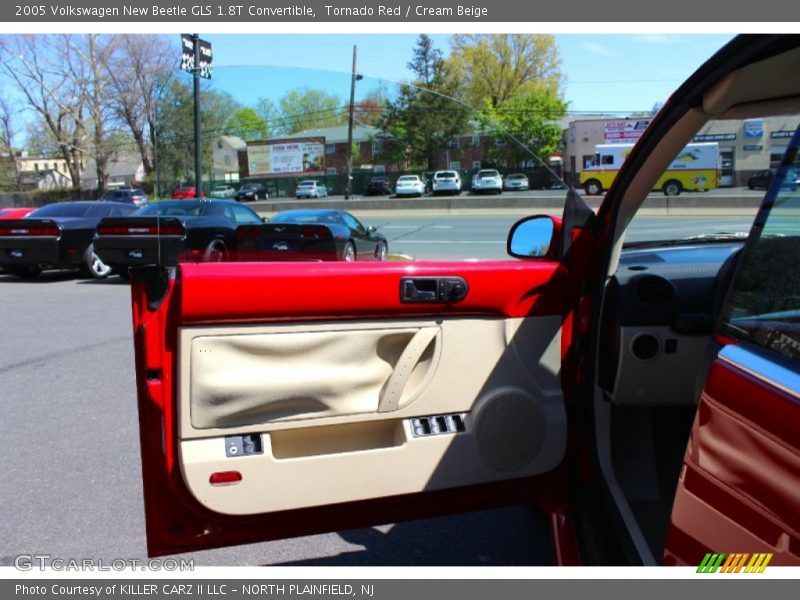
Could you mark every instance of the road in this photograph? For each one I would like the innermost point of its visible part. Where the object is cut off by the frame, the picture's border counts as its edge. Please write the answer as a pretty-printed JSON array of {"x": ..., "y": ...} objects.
[
  {"x": 484, "y": 237},
  {"x": 70, "y": 481}
]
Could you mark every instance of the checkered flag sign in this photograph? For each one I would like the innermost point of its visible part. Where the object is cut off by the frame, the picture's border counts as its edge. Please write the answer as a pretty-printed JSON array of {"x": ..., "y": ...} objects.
[{"x": 187, "y": 56}]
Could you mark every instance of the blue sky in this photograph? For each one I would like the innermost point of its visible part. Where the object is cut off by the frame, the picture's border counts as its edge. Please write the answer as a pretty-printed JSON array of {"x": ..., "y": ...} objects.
[{"x": 615, "y": 73}]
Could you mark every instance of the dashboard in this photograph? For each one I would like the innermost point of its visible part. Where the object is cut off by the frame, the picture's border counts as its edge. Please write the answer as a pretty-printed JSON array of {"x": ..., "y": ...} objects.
[{"x": 658, "y": 317}]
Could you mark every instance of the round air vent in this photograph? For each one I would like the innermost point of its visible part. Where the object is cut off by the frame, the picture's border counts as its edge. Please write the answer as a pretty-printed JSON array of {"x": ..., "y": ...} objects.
[
  {"x": 509, "y": 430},
  {"x": 645, "y": 346},
  {"x": 652, "y": 289}
]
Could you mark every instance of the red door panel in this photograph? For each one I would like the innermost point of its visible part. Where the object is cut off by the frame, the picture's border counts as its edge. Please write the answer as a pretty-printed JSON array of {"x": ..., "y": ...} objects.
[{"x": 739, "y": 491}]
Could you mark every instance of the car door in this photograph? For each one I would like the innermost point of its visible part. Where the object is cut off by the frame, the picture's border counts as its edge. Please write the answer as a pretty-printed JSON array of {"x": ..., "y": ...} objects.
[
  {"x": 280, "y": 399},
  {"x": 738, "y": 495},
  {"x": 364, "y": 245}
]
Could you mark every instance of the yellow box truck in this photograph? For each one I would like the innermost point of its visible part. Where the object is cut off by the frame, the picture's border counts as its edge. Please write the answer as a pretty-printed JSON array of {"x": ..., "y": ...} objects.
[{"x": 696, "y": 168}]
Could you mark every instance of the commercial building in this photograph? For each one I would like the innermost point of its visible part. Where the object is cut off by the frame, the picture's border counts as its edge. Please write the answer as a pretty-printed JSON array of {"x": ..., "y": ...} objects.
[{"x": 745, "y": 146}]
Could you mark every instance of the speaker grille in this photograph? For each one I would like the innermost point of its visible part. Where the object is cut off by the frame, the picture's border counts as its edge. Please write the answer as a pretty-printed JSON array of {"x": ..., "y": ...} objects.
[{"x": 510, "y": 431}]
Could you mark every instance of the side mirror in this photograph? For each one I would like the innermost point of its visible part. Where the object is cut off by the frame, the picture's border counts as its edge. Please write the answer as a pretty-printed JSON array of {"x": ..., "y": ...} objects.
[
  {"x": 265, "y": 219},
  {"x": 534, "y": 237},
  {"x": 371, "y": 229}
]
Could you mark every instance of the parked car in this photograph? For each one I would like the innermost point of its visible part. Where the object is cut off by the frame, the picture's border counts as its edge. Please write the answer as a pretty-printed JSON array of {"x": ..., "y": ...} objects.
[
  {"x": 252, "y": 191},
  {"x": 57, "y": 236},
  {"x": 409, "y": 185},
  {"x": 761, "y": 180},
  {"x": 165, "y": 232},
  {"x": 312, "y": 235},
  {"x": 223, "y": 191},
  {"x": 487, "y": 181},
  {"x": 515, "y": 182},
  {"x": 643, "y": 395},
  {"x": 130, "y": 195},
  {"x": 446, "y": 182},
  {"x": 15, "y": 213},
  {"x": 186, "y": 193},
  {"x": 311, "y": 189},
  {"x": 379, "y": 185}
]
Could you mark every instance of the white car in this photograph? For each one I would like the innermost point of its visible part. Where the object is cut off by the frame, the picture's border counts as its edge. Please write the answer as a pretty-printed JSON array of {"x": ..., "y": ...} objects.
[
  {"x": 446, "y": 181},
  {"x": 487, "y": 181},
  {"x": 516, "y": 182},
  {"x": 409, "y": 185},
  {"x": 223, "y": 192},
  {"x": 311, "y": 189}
]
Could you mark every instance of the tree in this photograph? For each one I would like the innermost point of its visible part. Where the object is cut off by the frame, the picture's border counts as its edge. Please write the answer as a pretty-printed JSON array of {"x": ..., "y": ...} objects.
[
  {"x": 499, "y": 67},
  {"x": 424, "y": 117},
  {"x": 266, "y": 109},
  {"x": 41, "y": 68},
  {"x": 138, "y": 72},
  {"x": 370, "y": 109},
  {"x": 305, "y": 108},
  {"x": 247, "y": 124},
  {"x": 175, "y": 141},
  {"x": 527, "y": 124},
  {"x": 88, "y": 67},
  {"x": 9, "y": 173}
]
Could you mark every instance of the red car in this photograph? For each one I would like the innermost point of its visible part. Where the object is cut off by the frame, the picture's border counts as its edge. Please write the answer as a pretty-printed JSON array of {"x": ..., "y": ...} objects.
[
  {"x": 186, "y": 193},
  {"x": 645, "y": 396},
  {"x": 15, "y": 213}
]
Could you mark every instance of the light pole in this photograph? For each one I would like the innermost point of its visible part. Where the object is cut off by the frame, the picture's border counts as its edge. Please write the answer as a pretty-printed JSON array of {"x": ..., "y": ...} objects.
[
  {"x": 198, "y": 180},
  {"x": 348, "y": 185}
]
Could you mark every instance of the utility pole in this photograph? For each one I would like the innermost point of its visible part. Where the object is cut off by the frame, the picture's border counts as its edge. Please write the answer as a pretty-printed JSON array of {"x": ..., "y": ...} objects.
[
  {"x": 198, "y": 192},
  {"x": 348, "y": 186}
]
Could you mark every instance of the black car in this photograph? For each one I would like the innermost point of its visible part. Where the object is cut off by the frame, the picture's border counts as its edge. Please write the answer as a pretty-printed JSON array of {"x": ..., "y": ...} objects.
[
  {"x": 761, "y": 180},
  {"x": 250, "y": 192},
  {"x": 165, "y": 232},
  {"x": 57, "y": 236},
  {"x": 312, "y": 235},
  {"x": 379, "y": 186},
  {"x": 128, "y": 195}
]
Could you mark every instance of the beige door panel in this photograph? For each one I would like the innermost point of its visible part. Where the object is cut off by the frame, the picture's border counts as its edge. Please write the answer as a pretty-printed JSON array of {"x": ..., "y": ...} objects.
[
  {"x": 319, "y": 466},
  {"x": 259, "y": 377},
  {"x": 339, "y": 408}
]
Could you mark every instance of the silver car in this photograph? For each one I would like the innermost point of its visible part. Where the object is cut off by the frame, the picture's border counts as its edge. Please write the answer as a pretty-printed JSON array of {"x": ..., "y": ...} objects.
[
  {"x": 516, "y": 182},
  {"x": 311, "y": 189}
]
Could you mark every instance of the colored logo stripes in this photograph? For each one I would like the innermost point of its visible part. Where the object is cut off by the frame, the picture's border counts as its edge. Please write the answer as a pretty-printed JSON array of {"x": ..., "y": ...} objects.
[{"x": 734, "y": 563}]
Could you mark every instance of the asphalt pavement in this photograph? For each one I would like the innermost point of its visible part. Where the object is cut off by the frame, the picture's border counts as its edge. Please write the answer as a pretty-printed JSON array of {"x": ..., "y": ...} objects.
[
  {"x": 483, "y": 237},
  {"x": 70, "y": 478}
]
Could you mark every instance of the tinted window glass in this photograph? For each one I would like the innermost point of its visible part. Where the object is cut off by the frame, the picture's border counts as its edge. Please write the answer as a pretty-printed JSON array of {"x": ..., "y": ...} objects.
[
  {"x": 763, "y": 305},
  {"x": 244, "y": 216}
]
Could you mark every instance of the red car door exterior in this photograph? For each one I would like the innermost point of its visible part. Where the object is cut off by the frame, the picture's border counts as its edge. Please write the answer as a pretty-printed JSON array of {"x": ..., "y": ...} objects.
[{"x": 281, "y": 399}]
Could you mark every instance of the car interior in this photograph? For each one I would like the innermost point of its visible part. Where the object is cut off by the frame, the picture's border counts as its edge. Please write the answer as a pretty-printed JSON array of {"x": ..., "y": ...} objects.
[{"x": 658, "y": 314}]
